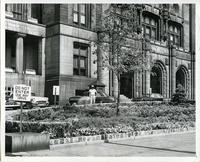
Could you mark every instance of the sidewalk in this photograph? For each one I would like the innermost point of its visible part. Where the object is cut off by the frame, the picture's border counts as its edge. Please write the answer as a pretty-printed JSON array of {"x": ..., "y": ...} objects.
[{"x": 169, "y": 145}]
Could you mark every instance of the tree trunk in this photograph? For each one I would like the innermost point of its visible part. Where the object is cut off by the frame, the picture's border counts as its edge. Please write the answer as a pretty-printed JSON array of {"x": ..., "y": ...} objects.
[{"x": 118, "y": 97}]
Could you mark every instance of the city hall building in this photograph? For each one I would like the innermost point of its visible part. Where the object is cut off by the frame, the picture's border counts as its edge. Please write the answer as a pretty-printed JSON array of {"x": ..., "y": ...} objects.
[{"x": 49, "y": 45}]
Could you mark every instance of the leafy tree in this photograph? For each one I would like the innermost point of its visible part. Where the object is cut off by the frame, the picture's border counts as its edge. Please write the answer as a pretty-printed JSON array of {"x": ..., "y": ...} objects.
[{"x": 121, "y": 47}]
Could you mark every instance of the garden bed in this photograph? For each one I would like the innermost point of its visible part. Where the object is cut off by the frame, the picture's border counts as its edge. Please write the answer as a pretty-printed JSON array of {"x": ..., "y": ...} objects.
[{"x": 101, "y": 119}]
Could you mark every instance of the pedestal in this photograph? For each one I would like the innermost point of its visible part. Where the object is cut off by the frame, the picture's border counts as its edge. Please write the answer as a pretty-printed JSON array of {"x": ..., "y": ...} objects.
[{"x": 26, "y": 141}]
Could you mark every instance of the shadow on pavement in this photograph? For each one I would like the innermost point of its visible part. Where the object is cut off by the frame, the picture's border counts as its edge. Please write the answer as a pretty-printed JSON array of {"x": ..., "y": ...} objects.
[{"x": 153, "y": 148}]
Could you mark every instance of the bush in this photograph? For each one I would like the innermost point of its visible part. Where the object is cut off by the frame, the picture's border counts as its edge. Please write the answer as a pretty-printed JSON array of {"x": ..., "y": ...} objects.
[{"x": 179, "y": 97}]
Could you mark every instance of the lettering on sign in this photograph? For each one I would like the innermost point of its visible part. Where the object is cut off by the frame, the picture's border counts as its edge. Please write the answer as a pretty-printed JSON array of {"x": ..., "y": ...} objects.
[{"x": 21, "y": 93}]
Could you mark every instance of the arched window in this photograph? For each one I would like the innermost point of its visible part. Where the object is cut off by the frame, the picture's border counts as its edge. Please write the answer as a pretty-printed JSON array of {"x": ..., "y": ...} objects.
[{"x": 176, "y": 8}]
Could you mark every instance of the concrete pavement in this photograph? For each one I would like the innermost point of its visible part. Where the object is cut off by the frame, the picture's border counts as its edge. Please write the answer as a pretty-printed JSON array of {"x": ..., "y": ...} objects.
[{"x": 169, "y": 145}]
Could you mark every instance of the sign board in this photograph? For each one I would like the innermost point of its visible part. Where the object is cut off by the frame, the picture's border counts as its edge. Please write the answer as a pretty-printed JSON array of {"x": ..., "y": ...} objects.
[
  {"x": 21, "y": 92},
  {"x": 56, "y": 90}
]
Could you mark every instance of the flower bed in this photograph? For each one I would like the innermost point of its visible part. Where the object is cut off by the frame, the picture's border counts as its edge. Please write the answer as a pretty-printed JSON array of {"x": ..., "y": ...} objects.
[{"x": 101, "y": 119}]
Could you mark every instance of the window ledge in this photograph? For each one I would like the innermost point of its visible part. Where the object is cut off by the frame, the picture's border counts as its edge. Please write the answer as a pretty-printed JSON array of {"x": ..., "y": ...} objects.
[
  {"x": 186, "y": 50},
  {"x": 9, "y": 70},
  {"x": 33, "y": 20},
  {"x": 30, "y": 71},
  {"x": 180, "y": 48},
  {"x": 156, "y": 42},
  {"x": 9, "y": 14}
]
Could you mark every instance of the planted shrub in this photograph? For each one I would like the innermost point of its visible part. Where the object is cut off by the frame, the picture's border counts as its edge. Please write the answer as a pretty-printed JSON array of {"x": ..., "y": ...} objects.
[{"x": 179, "y": 96}]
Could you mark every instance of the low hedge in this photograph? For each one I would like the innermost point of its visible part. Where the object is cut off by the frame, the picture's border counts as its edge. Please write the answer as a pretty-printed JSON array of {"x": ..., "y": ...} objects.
[{"x": 97, "y": 119}]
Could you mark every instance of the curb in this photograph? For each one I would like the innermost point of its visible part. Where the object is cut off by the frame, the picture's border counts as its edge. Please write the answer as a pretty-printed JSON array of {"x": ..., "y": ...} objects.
[
  {"x": 117, "y": 137},
  {"x": 164, "y": 134},
  {"x": 76, "y": 144}
]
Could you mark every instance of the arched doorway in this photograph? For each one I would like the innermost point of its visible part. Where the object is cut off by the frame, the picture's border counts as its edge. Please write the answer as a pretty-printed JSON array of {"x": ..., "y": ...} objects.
[
  {"x": 156, "y": 80},
  {"x": 182, "y": 77}
]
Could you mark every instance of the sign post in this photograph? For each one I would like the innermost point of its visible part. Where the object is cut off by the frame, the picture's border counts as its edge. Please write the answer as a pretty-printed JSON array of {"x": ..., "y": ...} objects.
[
  {"x": 21, "y": 107},
  {"x": 21, "y": 93},
  {"x": 55, "y": 92}
]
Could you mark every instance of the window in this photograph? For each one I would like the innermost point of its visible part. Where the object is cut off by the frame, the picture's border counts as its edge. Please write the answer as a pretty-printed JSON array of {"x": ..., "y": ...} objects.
[
  {"x": 17, "y": 11},
  {"x": 81, "y": 15},
  {"x": 150, "y": 26},
  {"x": 36, "y": 12},
  {"x": 175, "y": 34},
  {"x": 80, "y": 59}
]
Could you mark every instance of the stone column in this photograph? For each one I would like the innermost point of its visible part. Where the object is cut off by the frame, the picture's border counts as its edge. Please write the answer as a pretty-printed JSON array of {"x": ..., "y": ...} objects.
[
  {"x": 19, "y": 52},
  {"x": 193, "y": 81},
  {"x": 29, "y": 10},
  {"x": 173, "y": 69},
  {"x": 140, "y": 84},
  {"x": 147, "y": 75},
  {"x": 102, "y": 73},
  {"x": 41, "y": 56},
  {"x": 136, "y": 80}
]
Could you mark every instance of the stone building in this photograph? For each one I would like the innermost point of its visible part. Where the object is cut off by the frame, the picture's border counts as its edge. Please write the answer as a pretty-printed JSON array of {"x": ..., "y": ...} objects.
[
  {"x": 50, "y": 45},
  {"x": 25, "y": 47}
]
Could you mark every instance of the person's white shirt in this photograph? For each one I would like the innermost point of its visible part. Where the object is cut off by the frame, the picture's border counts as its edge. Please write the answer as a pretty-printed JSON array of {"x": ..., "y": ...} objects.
[{"x": 92, "y": 92}]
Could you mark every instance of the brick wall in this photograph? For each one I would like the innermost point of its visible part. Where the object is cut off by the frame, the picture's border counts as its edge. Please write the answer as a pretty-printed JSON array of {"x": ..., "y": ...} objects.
[
  {"x": 64, "y": 13},
  {"x": 186, "y": 39},
  {"x": 48, "y": 15},
  {"x": 98, "y": 15},
  {"x": 192, "y": 27},
  {"x": 52, "y": 55},
  {"x": 61, "y": 13}
]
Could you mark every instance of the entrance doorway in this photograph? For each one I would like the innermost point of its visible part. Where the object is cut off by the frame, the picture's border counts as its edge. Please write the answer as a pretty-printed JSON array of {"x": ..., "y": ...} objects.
[{"x": 126, "y": 86}]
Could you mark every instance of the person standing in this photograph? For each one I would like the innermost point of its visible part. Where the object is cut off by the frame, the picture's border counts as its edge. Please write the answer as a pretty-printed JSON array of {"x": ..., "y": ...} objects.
[{"x": 92, "y": 94}]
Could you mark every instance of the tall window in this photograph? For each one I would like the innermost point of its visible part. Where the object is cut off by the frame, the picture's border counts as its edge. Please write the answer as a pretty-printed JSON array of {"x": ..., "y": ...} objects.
[
  {"x": 36, "y": 12},
  {"x": 81, "y": 15},
  {"x": 150, "y": 26},
  {"x": 175, "y": 34},
  {"x": 17, "y": 11},
  {"x": 80, "y": 59}
]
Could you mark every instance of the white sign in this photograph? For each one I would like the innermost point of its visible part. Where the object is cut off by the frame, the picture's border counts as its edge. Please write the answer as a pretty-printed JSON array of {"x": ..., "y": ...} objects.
[
  {"x": 56, "y": 90},
  {"x": 21, "y": 92}
]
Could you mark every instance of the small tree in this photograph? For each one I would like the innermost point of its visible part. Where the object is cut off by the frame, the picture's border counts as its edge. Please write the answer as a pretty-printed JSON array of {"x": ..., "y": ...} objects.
[
  {"x": 179, "y": 96},
  {"x": 120, "y": 46}
]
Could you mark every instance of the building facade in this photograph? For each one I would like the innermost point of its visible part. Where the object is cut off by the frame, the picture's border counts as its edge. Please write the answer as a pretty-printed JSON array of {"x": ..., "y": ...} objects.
[{"x": 49, "y": 45}]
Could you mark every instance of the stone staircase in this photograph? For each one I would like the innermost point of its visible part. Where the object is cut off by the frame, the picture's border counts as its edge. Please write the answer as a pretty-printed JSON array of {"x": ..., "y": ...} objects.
[{"x": 124, "y": 98}]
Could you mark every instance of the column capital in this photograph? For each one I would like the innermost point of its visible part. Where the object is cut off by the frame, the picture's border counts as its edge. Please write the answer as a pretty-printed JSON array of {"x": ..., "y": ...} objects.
[{"x": 20, "y": 35}]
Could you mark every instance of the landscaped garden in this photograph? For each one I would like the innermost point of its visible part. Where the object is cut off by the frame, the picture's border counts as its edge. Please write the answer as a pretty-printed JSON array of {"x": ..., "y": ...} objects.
[{"x": 99, "y": 119}]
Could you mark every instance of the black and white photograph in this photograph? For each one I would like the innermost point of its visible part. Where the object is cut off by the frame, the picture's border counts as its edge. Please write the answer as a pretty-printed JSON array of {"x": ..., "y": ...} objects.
[{"x": 100, "y": 81}]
